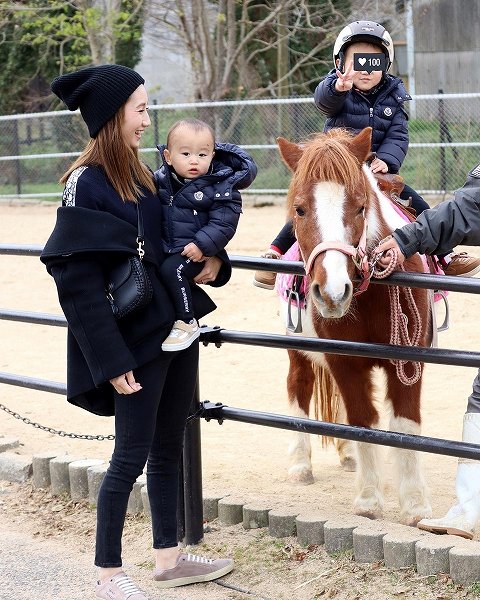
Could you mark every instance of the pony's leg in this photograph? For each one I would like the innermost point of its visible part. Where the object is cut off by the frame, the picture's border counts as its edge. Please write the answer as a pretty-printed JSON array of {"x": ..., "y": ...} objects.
[
  {"x": 357, "y": 392},
  {"x": 412, "y": 489},
  {"x": 345, "y": 448},
  {"x": 369, "y": 500},
  {"x": 300, "y": 381}
]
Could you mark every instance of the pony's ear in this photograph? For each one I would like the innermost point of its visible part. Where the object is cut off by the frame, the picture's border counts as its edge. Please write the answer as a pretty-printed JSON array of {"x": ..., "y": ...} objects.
[
  {"x": 361, "y": 144},
  {"x": 290, "y": 152}
]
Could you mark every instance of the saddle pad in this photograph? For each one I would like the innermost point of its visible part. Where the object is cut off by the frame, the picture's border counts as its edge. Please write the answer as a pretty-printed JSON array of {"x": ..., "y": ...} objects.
[{"x": 284, "y": 281}]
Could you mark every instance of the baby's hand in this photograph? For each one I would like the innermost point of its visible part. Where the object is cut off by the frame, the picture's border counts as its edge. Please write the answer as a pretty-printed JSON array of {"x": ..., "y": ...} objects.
[
  {"x": 344, "y": 82},
  {"x": 193, "y": 252},
  {"x": 378, "y": 166}
]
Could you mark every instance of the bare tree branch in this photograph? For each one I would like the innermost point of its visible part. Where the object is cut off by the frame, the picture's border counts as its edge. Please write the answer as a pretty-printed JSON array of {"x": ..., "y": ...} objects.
[{"x": 233, "y": 44}]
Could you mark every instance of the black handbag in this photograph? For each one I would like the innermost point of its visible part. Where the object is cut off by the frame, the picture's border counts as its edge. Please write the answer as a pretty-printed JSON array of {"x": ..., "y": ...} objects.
[{"x": 128, "y": 286}]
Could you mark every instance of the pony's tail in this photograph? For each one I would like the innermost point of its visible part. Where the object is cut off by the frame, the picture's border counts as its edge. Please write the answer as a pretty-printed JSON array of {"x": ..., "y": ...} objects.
[{"x": 326, "y": 398}]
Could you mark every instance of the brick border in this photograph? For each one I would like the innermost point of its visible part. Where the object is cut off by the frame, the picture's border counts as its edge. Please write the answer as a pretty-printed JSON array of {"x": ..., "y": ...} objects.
[{"x": 398, "y": 545}]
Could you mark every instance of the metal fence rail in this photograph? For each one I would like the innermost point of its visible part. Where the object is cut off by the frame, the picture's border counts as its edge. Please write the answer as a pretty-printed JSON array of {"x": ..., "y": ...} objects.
[
  {"x": 36, "y": 148},
  {"x": 190, "y": 514}
]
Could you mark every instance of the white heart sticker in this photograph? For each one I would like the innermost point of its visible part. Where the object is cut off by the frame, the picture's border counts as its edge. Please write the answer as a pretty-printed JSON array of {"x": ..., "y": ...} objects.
[{"x": 362, "y": 61}]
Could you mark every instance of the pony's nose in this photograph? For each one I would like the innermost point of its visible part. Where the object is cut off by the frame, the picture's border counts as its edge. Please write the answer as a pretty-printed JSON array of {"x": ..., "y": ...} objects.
[{"x": 332, "y": 304}]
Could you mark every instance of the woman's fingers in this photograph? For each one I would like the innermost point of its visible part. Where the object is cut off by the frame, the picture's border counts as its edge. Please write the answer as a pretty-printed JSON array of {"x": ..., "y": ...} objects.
[{"x": 125, "y": 384}]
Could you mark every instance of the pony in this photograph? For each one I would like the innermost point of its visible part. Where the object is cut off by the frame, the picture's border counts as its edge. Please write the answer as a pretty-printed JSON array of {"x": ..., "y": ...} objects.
[{"x": 339, "y": 215}]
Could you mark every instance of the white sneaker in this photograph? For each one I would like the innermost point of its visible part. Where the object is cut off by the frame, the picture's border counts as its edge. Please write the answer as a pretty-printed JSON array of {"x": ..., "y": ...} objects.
[
  {"x": 119, "y": 587},
  {"x": 181, "y": 336}
]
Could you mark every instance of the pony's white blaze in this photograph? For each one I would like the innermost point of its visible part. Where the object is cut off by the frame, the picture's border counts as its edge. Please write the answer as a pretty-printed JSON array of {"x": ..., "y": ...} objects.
[{"x": 329, "y": 208}]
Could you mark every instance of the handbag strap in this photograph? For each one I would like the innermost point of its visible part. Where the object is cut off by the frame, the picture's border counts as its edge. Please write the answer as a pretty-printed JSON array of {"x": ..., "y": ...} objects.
[{"x": 140, "y": 234}]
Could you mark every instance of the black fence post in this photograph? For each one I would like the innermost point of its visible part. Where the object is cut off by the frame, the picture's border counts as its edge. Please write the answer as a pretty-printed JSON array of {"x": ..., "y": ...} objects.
[
  {"x": 156, "y": 136},
  {"x": 443, "y": 137},
  {"x": 192, "y": 477},
  {"x": 16, "y": 149}
]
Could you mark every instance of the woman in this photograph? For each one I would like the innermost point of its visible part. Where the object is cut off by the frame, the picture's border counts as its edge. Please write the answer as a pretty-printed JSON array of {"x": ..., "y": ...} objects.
[{"x": 117, "y": 366}]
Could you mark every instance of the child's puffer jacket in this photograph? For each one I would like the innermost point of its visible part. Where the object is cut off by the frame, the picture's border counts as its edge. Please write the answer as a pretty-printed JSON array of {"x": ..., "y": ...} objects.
[
  {"x": 206, "y": 210},
  {"x": 386, "y": 116}
]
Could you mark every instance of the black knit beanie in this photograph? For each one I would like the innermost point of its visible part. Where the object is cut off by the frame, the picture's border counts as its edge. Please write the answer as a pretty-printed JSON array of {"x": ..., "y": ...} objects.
[{"x": 98, "y": 91}]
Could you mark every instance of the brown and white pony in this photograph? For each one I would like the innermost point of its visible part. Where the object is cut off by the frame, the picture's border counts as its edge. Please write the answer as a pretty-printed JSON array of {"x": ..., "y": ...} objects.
[{"x": 339, "y": 216}]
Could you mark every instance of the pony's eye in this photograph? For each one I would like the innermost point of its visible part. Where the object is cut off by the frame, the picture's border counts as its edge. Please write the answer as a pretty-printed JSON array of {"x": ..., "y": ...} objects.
[{"x": 299, "y": 211}]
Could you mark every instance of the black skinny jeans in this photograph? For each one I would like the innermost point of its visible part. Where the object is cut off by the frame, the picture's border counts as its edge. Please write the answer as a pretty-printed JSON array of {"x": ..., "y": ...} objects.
[{"x": 149, "y": 428}]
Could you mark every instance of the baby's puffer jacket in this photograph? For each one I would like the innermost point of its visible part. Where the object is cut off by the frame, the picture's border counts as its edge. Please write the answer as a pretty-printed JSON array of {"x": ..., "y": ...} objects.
[
  {"x": 205, "y": 210},
  {"x": 386, "y": 115}
]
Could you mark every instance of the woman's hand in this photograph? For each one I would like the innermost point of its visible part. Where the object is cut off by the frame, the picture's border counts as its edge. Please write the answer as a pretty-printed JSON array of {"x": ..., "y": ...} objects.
[
  {"x": 387, "y": 244},
  {"x": 210, "y": 270},
  {"x": 125, "y": 384}
]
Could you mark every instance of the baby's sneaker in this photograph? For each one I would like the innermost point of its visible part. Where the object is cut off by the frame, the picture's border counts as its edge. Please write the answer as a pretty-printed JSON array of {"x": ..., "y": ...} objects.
[
  {"x": 181, "y": 336},
  {"x": 266, "y": 279}
]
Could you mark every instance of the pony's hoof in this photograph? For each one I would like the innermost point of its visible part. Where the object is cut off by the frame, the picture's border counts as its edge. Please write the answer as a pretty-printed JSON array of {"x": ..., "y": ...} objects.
[
  {"x": 349, "y": 464},
  {"x": 412, "y": 520},
  {"x": 369, "y": 514},
  {"x": 300, "y": 477}
]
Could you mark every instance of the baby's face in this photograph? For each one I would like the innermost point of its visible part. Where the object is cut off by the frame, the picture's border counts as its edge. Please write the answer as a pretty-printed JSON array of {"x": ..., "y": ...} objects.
[
  {"x": 362, "y": 80},
  {"x": 191, "y": 152}
]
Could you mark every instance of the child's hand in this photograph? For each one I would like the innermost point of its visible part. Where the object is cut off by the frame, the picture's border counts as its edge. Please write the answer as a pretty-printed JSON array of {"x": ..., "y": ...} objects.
[
  {"x": 193, "y": 252},
  {"x": 378, "y": 166},
  {"x": 344, "y": 82}
]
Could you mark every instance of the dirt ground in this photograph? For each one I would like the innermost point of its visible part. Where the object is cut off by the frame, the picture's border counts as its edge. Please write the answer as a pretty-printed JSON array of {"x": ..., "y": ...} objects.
[{"x": 245, "y": 461}]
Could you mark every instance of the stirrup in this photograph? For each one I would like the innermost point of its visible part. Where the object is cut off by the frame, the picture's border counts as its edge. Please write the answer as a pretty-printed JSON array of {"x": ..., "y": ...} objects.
[
  {"x": 294, "y": 296},
  {"x": 446, "y": 321}
]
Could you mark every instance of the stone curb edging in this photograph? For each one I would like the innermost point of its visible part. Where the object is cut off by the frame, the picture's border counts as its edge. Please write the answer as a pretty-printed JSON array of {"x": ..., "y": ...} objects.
[{"x": 398, "y": 545}]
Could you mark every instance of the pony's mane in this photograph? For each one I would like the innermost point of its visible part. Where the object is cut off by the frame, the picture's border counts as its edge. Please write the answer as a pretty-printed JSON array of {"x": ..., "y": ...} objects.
[{"x": 328, "y": 157}]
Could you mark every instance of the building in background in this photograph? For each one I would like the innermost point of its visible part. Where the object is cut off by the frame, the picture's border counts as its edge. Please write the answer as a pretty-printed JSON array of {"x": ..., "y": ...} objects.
[
  {"x": 437, "y": 46},
  {"x": 447, "y": 45},
  {"x": 165, "y": 66}
]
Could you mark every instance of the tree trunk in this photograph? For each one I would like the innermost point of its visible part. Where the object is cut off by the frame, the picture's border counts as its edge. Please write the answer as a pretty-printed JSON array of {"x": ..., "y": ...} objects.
[{"x": 100, "y": 28}]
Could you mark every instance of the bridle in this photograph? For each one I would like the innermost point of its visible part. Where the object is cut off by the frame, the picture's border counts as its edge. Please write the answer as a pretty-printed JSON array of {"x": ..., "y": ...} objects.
[
  {"x": 399, "y": 326},
  {"x": 357, "y": 253}
]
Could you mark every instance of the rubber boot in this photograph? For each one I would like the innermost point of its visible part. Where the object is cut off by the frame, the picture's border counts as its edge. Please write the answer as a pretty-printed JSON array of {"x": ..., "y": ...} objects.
[{"x": 462, "y": 518}]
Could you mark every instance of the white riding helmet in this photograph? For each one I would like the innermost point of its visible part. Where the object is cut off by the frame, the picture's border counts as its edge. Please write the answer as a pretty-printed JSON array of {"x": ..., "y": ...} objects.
[{"x": 363, "y": 31}]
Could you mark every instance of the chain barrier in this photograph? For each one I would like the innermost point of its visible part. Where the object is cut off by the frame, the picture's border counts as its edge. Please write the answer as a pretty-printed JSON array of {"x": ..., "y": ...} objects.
[{"x": 79, "y": 436}]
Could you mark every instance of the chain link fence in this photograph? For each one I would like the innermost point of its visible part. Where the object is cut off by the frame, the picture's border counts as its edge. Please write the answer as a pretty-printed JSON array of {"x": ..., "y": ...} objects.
[{"x": 35, "y": 149}]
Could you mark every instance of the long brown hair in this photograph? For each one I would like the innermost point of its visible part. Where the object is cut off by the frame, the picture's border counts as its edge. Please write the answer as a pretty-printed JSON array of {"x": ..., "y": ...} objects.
[{"x": 122, "y": 166}]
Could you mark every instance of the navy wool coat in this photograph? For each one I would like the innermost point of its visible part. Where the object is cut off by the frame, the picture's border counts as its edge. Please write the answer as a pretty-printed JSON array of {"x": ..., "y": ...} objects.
[{"x": 93, "y": 231}]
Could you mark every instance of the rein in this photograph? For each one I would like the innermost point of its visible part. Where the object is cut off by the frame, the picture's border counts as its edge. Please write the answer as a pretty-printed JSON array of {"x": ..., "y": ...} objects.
[{"x": 399, "y": 334}]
